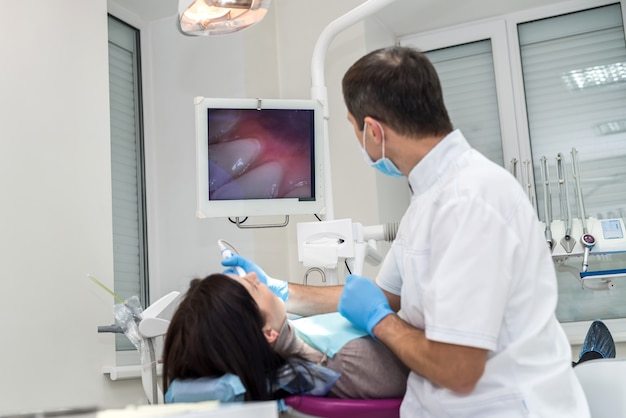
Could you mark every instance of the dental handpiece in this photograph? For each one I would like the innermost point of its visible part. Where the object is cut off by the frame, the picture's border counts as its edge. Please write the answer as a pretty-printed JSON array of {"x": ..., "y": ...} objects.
[
  {"x": 588, "y": 242},
  {"x": 227, "y": 253}
]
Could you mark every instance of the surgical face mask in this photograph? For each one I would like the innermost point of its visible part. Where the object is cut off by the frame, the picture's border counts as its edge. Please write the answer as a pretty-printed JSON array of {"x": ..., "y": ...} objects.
[{"x": 384, "y": 165}]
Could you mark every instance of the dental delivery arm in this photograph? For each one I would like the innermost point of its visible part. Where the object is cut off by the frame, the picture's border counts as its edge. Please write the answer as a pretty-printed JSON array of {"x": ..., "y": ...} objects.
[{"x": 454, "y": 367}]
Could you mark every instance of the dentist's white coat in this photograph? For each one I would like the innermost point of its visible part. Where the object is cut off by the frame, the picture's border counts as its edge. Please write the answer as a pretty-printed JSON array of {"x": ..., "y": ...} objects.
[{"x": 472, "y": 268}]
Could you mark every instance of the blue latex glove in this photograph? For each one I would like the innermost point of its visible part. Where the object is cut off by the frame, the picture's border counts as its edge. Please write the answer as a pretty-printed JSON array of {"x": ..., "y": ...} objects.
[
  {"x": 363, "y": 303},
  {"x": 279, "y": 287}
]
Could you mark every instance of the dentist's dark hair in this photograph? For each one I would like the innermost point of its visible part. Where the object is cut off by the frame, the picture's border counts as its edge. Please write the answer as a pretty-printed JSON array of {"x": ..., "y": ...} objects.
[
  {"x": 398, "y": 86},
  {"x": 217, "y": 329}
]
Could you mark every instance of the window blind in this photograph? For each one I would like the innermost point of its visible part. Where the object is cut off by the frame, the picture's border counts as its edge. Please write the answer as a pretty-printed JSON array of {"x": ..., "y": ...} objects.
[
  {"x": 555, "y": 53},
  {"x": 129, "y": 232},
  {"x": 575, "y": 88},
  {"x": 467, "y": 77}
]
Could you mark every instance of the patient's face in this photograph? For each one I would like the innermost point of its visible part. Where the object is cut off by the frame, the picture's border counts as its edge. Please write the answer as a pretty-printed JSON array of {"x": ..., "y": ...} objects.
[{"x": 271, "y": 306}]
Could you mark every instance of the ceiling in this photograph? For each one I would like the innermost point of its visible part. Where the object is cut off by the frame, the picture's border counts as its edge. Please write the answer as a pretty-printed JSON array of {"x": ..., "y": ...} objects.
[{"x": 402, "y": 17}]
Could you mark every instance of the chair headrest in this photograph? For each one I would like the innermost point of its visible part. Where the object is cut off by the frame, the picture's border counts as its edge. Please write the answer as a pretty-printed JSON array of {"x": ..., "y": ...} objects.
[{"x": 227, "y": 388}]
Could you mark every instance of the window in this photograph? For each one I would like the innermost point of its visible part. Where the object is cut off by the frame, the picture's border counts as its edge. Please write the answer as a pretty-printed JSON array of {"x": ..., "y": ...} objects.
[
  {"x": 467, "y": 76},
  {"x": 127, "y": 167},
  {"x": 574, "y": 71},
  {"x": 558, "y": 77}
]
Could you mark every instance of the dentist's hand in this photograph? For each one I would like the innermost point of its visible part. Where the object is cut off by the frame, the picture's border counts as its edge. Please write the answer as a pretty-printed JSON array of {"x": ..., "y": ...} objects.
[
  {"x": 279, "y": 287},
  {"x": 363, "y": 303}
]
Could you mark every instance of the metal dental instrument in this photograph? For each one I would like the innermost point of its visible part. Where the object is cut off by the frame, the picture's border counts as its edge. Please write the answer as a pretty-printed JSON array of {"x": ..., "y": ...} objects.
[
  {"x": 547, "y": 201},
  {"x": 529, "y": 183},
  {"x": 587, "y": 240},
  {"x": 566, "y": 242}
]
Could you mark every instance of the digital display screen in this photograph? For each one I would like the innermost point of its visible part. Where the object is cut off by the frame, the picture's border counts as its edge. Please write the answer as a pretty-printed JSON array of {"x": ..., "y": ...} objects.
[
  {"x": 612, "y": 229},
  {"x": 261, "y": 154}
]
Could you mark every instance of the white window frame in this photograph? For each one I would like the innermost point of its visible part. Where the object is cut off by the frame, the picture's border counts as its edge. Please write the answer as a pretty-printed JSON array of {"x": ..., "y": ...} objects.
[{"x": 503, "y": 33}]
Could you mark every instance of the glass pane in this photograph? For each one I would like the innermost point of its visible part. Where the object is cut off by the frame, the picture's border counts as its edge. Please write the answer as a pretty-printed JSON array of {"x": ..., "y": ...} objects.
[
  {"x": 469, "y": 89},
  {"x": 574, "y": 69}
]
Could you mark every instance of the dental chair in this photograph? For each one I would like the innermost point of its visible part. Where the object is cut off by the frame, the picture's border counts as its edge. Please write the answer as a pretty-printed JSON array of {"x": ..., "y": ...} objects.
[
  {"x": 152, "y": 328},
  {"x": 345, "y": 408},
  {"x": 229, "y": 389},
  {"x": 604, "y": 384}
]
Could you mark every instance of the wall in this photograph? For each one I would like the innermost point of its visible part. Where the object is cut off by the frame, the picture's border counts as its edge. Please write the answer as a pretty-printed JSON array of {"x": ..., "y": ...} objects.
[
  {"x": 55, "y": 223},
  {"x": 181, "y": 246}
]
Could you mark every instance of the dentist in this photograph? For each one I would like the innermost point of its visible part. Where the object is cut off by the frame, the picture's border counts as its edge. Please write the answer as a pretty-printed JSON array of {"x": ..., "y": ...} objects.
[{"x": 466, "y": 296}]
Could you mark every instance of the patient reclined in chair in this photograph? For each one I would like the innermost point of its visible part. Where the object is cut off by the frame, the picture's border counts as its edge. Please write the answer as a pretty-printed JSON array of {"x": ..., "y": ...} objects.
[{"x": 226, "y": 326}]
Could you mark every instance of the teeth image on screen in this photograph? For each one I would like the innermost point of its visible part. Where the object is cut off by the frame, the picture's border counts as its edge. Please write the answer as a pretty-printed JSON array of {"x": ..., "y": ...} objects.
[
  {"x": 261, "y": 182},
  {"x": 228, "y": 160},
  {"x": 259, "y": 155}
]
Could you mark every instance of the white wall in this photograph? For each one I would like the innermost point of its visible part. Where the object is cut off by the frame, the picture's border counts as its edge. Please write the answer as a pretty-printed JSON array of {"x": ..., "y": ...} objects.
[
  {"x": 276, "y": 54},
  {"x": 182, "y": 246},
  {"x": 55, "y": 223}
]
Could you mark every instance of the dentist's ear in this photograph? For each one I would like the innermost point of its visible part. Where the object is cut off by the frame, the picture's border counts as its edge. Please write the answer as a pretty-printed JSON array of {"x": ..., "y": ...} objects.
[{"x": 373, "y": 126}]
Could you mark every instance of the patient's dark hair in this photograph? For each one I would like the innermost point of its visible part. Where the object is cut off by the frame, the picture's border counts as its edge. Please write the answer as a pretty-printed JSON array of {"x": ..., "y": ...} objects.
[{"x": 217, "y": 329}]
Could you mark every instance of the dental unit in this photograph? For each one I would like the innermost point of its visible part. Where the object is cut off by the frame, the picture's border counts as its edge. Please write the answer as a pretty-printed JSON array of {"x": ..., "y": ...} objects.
[
  {"x": 322, "y": 246},
  {"x": 583, "y": 237}
]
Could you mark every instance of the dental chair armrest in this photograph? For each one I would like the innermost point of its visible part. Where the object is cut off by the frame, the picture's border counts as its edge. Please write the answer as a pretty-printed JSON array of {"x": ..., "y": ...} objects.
[
  {"x": 153, "y": 327},
  {"x": 160, "y": 305}
]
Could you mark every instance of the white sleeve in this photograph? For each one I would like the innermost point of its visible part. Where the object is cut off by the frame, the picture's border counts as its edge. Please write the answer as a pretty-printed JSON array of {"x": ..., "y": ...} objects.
[{"x": 389, "y": 278}]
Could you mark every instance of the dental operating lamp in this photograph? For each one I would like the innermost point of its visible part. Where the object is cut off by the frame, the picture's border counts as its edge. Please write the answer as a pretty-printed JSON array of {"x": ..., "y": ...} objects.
[{"x": 219, "y": 17}]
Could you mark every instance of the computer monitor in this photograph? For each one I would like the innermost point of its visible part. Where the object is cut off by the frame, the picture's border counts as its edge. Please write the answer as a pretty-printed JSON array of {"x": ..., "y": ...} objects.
[{"x": 259, "y": 157}]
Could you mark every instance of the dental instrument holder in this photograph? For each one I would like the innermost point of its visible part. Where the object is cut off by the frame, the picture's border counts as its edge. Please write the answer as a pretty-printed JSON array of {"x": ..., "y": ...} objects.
[
  {"x": 143, "y": 330},
  {"x": 321, "y": 245},
  {"x": 604, "y": 236},
  {"x": 597, "y": 236}
]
